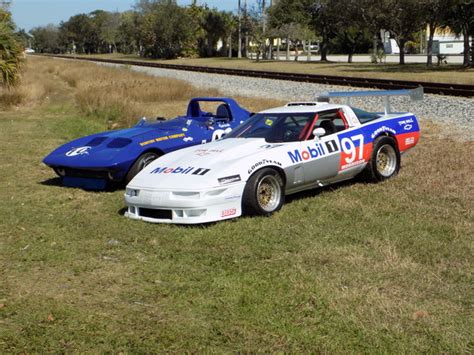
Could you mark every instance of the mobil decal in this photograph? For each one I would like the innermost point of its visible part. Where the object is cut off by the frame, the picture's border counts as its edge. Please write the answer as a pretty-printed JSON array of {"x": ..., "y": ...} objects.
[
  {"x": 190, "y": 170},
  {"x": 316, "y": 150}
]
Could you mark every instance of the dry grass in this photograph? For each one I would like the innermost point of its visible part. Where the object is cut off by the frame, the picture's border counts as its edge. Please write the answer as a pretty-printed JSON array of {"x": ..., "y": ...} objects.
[
  {"x": 117, "y": 96},
  {"x": 121, "y": 96},
  {"x": 377, "y": 268},
  {"x": 32, "y": 90}
]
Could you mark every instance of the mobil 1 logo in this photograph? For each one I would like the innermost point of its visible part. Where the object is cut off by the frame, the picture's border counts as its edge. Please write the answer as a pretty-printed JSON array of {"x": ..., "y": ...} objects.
[{"x": 313, "y": 151}]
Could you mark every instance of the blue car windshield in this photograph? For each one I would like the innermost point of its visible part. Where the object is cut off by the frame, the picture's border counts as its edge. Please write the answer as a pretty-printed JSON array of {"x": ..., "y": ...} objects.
[{"x": 274, "y": 127}]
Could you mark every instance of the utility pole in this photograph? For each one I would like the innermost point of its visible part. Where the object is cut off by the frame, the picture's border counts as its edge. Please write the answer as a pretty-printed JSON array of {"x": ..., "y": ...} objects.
[
  {"x": 246, "y": 32},
  {"x": 264, "y": 28},
  {"x": 239, "y": 50}
]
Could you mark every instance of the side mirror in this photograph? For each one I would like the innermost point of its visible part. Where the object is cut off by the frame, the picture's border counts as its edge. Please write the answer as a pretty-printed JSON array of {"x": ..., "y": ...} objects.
[
  {"x": 319, "y": 132},
  {"x": 141, "y": 122},
  {"x": 210, "y": 122}
]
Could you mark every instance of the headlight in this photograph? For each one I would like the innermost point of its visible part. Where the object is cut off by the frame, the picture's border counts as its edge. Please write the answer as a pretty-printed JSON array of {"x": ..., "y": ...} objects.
[{"x": 131, "y": 192}]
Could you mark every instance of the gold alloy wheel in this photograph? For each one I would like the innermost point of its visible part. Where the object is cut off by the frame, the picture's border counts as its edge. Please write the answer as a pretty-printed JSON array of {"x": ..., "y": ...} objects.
[
  {"x": 269, "y": 193},
  {"x": 386, "y": 160}
]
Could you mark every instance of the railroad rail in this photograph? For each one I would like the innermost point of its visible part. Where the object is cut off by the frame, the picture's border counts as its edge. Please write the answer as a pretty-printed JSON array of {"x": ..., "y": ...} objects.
[{"x": 463, "y": 90}]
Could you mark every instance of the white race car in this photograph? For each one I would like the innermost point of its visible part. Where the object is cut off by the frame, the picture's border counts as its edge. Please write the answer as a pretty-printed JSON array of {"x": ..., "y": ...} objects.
[{"x": 276, "y": 152}]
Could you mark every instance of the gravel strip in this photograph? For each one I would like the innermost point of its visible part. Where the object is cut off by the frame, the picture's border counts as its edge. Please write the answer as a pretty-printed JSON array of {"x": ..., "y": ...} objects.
[{"x": 455, "y": 113}]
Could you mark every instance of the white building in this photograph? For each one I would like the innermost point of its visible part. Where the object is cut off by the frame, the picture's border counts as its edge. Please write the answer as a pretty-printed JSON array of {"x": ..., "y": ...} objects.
[{"x": 445, "y": 42}]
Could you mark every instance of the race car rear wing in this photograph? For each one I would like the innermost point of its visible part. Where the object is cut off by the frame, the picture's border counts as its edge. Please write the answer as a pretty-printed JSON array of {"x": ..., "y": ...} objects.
[{"x": 414, "y": 94}]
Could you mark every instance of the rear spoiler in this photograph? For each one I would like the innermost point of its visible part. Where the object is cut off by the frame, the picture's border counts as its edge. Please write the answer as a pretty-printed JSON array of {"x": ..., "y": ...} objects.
[{"x": 414, "y": 94}]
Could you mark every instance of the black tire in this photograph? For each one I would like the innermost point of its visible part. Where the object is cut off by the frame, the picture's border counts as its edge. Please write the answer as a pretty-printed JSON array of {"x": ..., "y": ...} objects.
[
  {"x": 384, "y": 162},
  {"x": 59, "y": 172},
  {"x": 142, "y": 161},
  {"x": 264, "y": 193}
]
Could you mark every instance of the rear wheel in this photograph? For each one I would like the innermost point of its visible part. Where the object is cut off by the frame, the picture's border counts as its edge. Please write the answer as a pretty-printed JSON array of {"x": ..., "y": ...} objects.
[
  {"x": 263, "y": 193},
  {"x": 384, "y": 162},
  {"x": 142, "y": 161}
]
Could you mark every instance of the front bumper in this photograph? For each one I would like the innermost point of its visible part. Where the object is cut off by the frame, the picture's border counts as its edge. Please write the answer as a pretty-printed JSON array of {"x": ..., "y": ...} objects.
[
  {"x": 88, "y": 178},
  {"x": 182, "y": 206}
]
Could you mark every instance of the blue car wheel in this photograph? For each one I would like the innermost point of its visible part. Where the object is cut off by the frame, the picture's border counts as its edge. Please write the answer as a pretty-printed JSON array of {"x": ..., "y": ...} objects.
[{"x": 142, "y": 161}]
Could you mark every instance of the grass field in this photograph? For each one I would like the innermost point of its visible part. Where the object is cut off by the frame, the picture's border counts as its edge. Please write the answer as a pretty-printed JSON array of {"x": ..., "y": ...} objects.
[
  {"x": 454, "y": 74},
  {"x": 384, "y": 268}
]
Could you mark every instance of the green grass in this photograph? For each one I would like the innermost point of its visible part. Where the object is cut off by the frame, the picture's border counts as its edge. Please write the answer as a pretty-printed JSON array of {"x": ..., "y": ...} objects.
[
  {"x": 451, "y": 73},
  {"x": 380, "y": 268}
]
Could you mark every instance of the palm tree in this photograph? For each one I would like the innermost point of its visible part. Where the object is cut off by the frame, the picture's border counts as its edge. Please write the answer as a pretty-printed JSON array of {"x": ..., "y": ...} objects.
[{"x": 10, "y": 52}]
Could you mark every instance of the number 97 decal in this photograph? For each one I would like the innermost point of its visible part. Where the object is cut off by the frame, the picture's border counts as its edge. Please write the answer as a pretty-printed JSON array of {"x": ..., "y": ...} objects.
[{"x": 352, "y": 154}]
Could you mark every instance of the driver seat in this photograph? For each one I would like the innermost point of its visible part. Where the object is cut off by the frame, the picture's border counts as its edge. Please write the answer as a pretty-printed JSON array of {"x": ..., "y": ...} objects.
[
  {"x": 223, "y": 112},
  {"x": 328, "y": 126}
]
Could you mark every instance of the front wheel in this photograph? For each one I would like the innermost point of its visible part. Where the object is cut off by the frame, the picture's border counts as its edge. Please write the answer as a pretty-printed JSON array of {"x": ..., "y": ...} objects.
[
  {"x": 263, "y": 193},
  {"x": 142, "y": 161},
  {"x": 384, "y": 162}
]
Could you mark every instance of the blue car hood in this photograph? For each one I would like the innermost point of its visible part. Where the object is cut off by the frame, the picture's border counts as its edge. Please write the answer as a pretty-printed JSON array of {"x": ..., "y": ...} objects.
[
  {"x": 142, "y": 128},
  {"x": 104, "y": 150}
]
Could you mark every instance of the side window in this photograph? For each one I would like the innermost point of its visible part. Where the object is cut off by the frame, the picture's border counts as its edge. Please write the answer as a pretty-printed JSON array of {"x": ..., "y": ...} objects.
[
  {"x": 364, "y": 116},
  {"x": 332, "y": 121}
]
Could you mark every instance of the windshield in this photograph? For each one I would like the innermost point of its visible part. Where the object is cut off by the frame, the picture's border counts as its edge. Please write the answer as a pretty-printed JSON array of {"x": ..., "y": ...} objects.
[{"x": 275, "y": 127}]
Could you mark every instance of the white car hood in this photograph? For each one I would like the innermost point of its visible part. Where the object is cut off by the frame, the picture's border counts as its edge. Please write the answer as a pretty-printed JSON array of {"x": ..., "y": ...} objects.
[{"x": 200, "y": 167}]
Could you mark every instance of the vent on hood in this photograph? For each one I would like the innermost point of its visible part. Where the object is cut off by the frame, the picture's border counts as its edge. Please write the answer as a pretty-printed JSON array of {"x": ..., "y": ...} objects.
[
  {"x": 96, "y": 141},
  {"x": 119, "y": 143}
]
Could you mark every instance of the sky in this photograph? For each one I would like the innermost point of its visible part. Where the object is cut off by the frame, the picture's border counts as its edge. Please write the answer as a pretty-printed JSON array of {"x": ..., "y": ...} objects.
[{"x": 31, "y": 13}]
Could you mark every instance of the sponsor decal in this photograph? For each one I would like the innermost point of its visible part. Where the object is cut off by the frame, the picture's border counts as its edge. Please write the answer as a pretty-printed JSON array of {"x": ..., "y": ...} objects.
[
  {"x": 406, "y": 124},
  {"x": 382, "y": 130},
  {"x": 262, "y": 163},
  {"x": 204, "y": 152},
  {"x": 350, "y": 165},
  {"x": 179, "y": 170},
  {"x": 164, "y": 138},
  {"x": 188, "y": 139},
  {"x": 270, "y": 146},
  {"x": 78, "y": 151},
  {"x": 269, "y": 122},
  {"x": 352, "y": 155},
  {"x": 410, "y": 141},
  {"x": 229, "y": 179},
  {"x": 408, "y": 121},
  {"x": 229, "y": 212},
  {"x": 219, "y": 133},
  {"x": 312, "y": 152}
]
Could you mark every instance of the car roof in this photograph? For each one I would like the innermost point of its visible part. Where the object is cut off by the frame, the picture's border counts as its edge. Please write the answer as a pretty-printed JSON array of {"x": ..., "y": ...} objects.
[{"x": 300, "y": 107}]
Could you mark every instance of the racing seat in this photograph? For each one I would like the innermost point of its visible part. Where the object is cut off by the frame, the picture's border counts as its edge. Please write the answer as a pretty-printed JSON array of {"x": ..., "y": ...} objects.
[
  {"x": 223, "y": 112},
  {"x": 328, "y": 126}
]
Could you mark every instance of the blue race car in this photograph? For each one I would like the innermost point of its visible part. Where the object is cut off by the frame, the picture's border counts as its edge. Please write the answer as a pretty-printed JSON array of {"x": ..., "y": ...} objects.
[{"x": 95, "y": 161}]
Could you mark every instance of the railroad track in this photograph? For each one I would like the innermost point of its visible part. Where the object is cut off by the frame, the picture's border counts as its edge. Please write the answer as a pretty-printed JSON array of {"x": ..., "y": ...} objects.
[{"x": 386, "y": 84}]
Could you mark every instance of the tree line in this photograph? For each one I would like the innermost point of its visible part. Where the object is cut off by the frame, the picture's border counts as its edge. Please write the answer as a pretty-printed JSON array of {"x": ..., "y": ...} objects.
[
  {"x": 163, "y": 29},
  {"x": 347, "y": 26}
]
